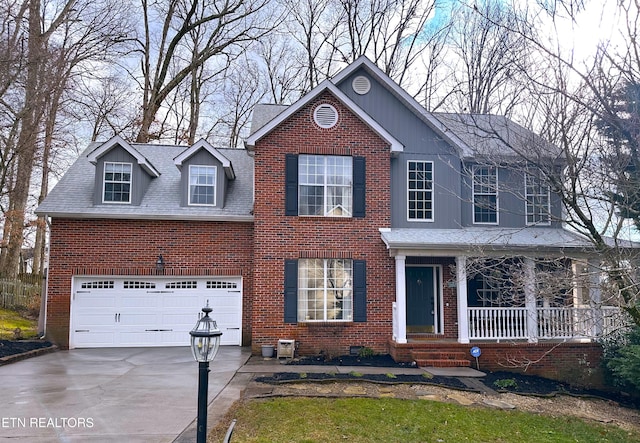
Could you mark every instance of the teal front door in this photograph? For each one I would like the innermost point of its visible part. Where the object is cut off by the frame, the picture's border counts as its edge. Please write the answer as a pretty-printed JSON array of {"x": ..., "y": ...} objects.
[{"x": 422, "y": 292}]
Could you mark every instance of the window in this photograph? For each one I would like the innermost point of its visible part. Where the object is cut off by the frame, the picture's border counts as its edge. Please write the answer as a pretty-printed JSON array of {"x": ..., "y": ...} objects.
[
  {"x": 420, "y": 190},
  {"x": 325, "y": 185},
  {"x": 325, "y": 290},
  {"x": 538, "y": 208},
  {"x": 117, "y": 183},
  {"x": 202, "y": 185},
  {"x": 485, "y": 194}
]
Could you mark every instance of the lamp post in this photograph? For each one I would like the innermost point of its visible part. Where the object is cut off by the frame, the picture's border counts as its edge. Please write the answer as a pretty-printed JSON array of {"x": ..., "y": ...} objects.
[{"x": 205, "y": 340}]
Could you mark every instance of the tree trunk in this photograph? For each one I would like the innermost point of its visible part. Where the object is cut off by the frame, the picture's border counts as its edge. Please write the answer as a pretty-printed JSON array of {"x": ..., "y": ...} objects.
[{"x": 27, "y": 145}]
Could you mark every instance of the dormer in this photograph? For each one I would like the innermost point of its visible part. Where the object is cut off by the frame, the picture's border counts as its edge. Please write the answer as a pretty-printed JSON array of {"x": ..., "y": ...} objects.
[
  {"x": 205, "y": 175},
  {"x": 122, "y": 173}
]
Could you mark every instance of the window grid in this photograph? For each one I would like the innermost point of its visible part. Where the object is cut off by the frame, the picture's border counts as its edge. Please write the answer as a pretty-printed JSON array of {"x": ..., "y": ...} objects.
[
  {"x": 325, "y": 290},
  {"x": 202, "y": 185},
  {"x": 182, "y": 285},
  {"x": 107, "y": 284},
  {"x": 537, "y": 196},
  {"x": 138, "y": 284},
  {"x": 325, "y": 185},
  {"x": 420, "y": 190},
  {"x": 221, "y": 285},
  {"x": 485, "y": 194},
  {"x": 117, "y": 182}
]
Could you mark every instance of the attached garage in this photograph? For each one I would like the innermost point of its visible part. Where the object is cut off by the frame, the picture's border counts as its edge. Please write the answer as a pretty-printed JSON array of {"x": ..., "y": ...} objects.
[{"x": 151, "y": 311}]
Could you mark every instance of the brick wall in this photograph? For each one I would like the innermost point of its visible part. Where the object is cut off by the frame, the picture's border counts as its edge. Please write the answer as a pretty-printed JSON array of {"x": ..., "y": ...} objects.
[
  {"x": 574, "y": 363},
  {"x": 279, "y": 237},
  {"x": 131, "y": 247}
]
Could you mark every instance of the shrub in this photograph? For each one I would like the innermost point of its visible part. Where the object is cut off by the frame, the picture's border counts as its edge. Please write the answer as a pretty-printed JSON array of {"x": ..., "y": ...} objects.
[
  {"x": 505, "y": 383},
  {"x": 366, "y": 352},
  {"x": 621, "y": 361}
]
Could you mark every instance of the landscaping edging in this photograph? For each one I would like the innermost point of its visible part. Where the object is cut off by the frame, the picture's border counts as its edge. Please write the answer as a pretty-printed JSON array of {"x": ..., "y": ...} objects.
[{"x": 23, "y": 356}]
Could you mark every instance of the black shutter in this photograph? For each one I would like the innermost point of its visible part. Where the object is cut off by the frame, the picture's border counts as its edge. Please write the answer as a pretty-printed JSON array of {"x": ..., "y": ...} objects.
[
  {"x": 291, "y": 291},
  {"x": 359, "y": 291},
  {"x": 291, "y": 185},
  {"x": 359, "y": 179}
]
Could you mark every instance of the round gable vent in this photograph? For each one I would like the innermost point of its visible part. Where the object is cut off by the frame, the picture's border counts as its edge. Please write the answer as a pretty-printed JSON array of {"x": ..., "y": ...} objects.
[
  {"x": 361, "y": 85},
  {"x": 325, "y": 116}
]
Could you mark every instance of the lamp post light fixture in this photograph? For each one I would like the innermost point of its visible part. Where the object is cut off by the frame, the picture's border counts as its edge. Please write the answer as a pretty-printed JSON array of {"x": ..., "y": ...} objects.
[
  {"x": 160, "y": 264},
  {"x": 205, "y": 341}
]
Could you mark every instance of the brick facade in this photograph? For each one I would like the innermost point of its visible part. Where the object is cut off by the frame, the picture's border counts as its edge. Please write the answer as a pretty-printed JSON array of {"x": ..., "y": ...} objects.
[
  {"x": 574, "y": 363},
  {"x": 131, "y": 247},
  {"x": 279, "y": 237}
]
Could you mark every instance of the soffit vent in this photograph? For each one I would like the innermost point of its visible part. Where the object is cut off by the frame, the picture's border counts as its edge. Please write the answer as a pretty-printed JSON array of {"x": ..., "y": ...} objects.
[
  {"x": 325, "y": 116},
  {"x": 361, "y": 85}
]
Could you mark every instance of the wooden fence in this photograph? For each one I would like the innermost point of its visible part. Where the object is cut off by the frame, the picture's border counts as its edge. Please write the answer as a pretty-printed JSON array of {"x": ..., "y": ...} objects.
[{"x": 21, "y": 293}]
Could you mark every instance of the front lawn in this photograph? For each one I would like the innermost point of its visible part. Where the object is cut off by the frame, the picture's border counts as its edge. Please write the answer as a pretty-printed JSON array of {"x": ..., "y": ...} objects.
[
  {"x": 393, "y": 420},
  {"x": 10, "y": 320}
]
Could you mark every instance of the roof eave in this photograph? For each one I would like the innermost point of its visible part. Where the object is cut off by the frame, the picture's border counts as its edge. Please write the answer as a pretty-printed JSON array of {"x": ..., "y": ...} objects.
[{"x": 121, "y": 216}]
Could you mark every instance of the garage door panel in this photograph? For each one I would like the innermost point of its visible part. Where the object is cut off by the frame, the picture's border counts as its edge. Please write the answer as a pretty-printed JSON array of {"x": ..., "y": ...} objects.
[
  {"x": 111, "y": 311},
  {"x": 93, "y": 300},
  {"x": 181, "y": 301},
  {"x": 94, "y": 320}
]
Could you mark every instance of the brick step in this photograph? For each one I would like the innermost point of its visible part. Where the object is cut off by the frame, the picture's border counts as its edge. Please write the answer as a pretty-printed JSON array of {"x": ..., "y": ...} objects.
[
  {"x": 422, "y": 363},
  {"x": 438, "y": 355}
]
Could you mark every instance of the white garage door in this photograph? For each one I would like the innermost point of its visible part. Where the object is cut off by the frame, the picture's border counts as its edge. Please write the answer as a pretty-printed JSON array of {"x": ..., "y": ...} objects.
[{"x": 130, "y": 312}]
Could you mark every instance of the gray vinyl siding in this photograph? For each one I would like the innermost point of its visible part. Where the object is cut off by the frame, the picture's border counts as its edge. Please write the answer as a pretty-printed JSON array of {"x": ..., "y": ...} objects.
[
  {"x": 446, "y": 189},
  {"x": 203, "y": 158},
  {"x": 452, "y": 199},
  {"x": 139, "y": 178},
  {"x": 396, "y": 118},
  {"x": 511, "y": 199}
]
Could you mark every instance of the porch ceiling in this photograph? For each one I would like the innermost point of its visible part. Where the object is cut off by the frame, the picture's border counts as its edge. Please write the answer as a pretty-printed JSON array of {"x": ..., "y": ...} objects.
[{"x": 470, "y": 240}]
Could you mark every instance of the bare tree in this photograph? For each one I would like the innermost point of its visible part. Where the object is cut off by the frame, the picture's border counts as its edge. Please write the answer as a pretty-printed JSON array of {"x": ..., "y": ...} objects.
[
  {"x": 489, "y": 57},
  {"x": 228, "y": 26}
]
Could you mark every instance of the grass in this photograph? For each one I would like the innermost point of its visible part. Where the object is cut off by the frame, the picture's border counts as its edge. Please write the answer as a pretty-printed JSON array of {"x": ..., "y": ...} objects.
[
  {"x": 393, "y": 420},
  {"x": 10, "y": 320}
]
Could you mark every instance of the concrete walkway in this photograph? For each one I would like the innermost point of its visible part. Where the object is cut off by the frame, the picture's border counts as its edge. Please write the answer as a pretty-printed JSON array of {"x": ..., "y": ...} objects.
[{"x": 109, "y": 395}]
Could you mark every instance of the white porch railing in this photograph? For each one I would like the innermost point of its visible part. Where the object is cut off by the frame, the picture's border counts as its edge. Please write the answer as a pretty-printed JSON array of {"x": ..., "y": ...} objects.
[
  {"x": 553, "y": 323},
  {"x": 497, "y": 323}
]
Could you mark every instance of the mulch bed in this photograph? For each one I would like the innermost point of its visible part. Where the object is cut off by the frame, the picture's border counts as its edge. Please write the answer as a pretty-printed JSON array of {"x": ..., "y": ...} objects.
[
  {"x": 14, "y": 347},
  {"x": 294, "y": 377},
  {"x": 501, "y": 381}
]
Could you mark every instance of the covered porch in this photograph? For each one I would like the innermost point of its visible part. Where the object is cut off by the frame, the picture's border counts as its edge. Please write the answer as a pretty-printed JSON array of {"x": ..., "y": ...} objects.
[{"x": 437, "y": 300}]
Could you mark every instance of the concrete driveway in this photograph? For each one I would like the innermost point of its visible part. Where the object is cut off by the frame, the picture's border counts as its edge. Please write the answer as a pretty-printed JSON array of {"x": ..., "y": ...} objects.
[{"x": 107, "y": 395}]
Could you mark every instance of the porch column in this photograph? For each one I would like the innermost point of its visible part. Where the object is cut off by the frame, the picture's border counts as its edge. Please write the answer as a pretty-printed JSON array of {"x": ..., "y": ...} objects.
[
  {"x": 463, "y": 318},
  {"x": 400, "y": 329},
  {"x": 595, "y": 297},
  {"x": 530, "y": 299}
]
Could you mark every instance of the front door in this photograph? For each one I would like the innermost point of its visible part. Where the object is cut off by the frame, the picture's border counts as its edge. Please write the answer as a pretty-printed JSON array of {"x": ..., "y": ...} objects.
[{"x": 422, "y": 299}]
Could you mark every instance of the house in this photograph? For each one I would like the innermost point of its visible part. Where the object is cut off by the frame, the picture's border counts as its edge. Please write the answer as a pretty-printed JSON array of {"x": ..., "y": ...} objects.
[{"x": 352, "y": 218}]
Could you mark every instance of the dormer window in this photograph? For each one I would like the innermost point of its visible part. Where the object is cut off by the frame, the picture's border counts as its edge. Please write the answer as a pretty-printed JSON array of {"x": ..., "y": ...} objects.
[
  {"x": 117, "y": 182},
  {"x": 202, "y": 185}
]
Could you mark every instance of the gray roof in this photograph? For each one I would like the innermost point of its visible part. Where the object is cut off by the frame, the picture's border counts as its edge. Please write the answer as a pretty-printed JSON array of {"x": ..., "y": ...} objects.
[
  {"x": 72, "y": 197},
  {"x": 263, "y": 114},
  {"x": 488, "y": 239},
  {"x": 491, "y": 136}
]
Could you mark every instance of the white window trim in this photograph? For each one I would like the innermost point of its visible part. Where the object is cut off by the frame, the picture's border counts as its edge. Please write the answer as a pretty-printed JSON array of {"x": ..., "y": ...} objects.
[
  {"x": 325, "y": 289},
  {"x": 104, "y": 183},
  {"x": 526, "y": 204},
  {"x": 214, "y": 186},
  {"x": 473, "y": 196},
  {"x": 422, "y": 220},
  {"x": 325, "y": 187}
]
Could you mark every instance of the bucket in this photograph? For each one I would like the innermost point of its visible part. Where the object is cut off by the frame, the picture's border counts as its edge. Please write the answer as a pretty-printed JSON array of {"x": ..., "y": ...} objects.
[{"x": 267, "y": 351}]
